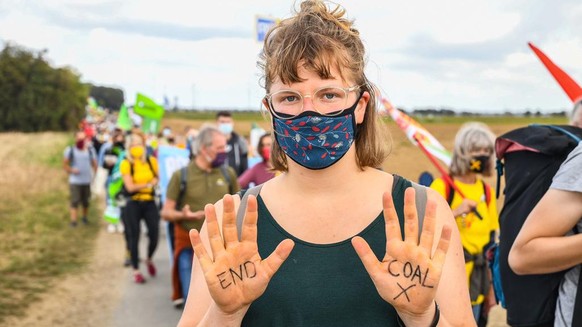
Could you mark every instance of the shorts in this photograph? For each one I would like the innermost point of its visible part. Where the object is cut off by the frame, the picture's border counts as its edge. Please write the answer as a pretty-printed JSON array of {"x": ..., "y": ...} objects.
[{"x": 80, "y": 194}]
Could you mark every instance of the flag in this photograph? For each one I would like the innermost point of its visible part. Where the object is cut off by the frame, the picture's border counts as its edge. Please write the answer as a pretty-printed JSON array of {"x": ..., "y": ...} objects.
[
  {"x": 123, "y": 120},
  {"x": 416, "y": 133},
  {"x": 147, "y": 107},
  {"x": 572, "y": 89}
]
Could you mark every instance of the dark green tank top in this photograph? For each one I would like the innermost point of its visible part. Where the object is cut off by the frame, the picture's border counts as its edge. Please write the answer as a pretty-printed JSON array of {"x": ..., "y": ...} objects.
[{"x": 322, "y": 284}]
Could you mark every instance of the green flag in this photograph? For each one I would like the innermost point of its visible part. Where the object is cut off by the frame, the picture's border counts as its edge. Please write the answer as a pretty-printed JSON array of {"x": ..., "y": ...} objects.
[
  {"x": 147, "y": 107},
  {"x": 123, "y": 119},
  {"x": 151, "y": 125}
]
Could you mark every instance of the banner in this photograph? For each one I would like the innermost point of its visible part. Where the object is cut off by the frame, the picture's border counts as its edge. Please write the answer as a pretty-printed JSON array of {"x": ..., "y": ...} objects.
[
  {"x": 415, "y": 132},
  {"x": 263, "y": 25},
  {"x": 147, "y": 107},
  {"x": 170, "y": 159},
  {"x": 123, "y": 120},
  {"x": 568, "y": 84}
]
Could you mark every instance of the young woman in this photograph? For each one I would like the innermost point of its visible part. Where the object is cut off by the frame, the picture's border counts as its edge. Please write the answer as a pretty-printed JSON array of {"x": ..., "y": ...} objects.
[
  {"x": 262, "y": 171},
  {"x": 140, "y": 175},
  {"x": 474, "y": 206},
  {"x": 321, "y": 244}
]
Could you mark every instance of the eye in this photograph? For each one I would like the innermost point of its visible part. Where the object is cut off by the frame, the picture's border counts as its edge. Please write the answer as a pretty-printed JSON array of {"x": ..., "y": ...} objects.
[{"x": 331, "y": 94}]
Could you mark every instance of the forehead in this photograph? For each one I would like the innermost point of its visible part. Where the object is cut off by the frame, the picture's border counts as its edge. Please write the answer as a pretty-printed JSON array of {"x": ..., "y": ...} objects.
[
  {"x": 218, "y": 139},
  {"x": 224, "y": 119},
  {"x": 311, "y": 78}
]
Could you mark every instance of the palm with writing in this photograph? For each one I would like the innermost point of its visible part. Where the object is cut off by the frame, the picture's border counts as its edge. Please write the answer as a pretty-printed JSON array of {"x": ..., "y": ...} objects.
[
  {"x": 236, "y": 274},
  {"x": 408, "y": 275}
]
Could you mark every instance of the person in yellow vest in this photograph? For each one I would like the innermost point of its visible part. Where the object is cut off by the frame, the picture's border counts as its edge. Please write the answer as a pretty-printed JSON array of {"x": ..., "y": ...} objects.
[
  {"x": 474, "y": 208},
  {"x": 140, "y": 176}
]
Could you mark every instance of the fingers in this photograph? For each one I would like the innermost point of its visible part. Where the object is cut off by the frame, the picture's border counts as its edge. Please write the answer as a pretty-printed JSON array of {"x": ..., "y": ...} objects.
[
  {"x": 368, "y": 257},
  {"x": 391, "y": 219},
  {"x": 276, "y": 259},
  {"x": 443, "y": 246},
  {"x": 214, "y": 236},
  {"x": 229, "y": 221},
  {"x": 410, "y": 217},
  {"x": 428, "y": 226},
  {"x": 200, "y": 251},
  {"x": 249, "y": 227}
]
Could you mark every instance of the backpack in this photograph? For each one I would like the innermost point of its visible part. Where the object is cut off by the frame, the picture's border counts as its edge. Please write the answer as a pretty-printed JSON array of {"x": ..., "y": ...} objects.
[
  {"x": 183, "y": 179},
  {"x": 529, "y": 157},
  {"x": 72, "y": 155},
  {"x": 117, "y": 190}
]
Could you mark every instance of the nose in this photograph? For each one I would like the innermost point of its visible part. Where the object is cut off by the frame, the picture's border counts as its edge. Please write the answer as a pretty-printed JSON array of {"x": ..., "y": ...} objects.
[{"x": 308, "y": 104}]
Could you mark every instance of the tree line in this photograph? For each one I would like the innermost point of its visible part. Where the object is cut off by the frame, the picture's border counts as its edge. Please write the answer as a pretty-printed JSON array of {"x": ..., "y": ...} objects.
[{"x": 36, "y": 96}]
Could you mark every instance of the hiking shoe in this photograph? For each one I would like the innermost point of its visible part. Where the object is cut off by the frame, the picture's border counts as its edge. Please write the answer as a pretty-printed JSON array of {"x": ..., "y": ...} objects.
[
  {"x": 73, "y": 224},
  {"x": 84, "y": 220},
  {"x": 178, "y": 303},
  {"x": 151, "y": 269},
  {"x": 138, "y": 278}
]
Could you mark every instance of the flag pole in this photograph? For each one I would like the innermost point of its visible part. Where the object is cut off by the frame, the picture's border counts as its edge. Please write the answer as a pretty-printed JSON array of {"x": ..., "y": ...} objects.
[{"x": 443, "y": 172}]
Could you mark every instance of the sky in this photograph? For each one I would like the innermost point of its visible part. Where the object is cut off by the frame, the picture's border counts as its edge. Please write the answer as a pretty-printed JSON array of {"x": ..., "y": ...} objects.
[{"x": 464, "y": 55}]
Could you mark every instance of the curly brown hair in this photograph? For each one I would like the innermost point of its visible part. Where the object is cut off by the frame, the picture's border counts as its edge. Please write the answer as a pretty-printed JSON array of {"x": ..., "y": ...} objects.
[{"x": 319, "y": 38}]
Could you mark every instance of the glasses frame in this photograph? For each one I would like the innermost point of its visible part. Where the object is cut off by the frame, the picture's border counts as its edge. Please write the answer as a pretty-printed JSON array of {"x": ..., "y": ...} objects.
[{"x": 338, "y": 112}]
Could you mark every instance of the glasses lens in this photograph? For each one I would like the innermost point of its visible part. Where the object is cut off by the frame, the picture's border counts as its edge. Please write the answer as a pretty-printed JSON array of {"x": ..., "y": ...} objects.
[
  {"x": 286, "y": 103},
  {"x": 330, "y": 100}
]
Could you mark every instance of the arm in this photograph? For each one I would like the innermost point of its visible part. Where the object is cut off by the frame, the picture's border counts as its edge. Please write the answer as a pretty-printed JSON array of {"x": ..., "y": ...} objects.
[
  {"x": 131, "y": 187},
  {"x": 452, "y": 295},
  {"x": 213, "y": 302},
  {"x": 169, "y": 212},
  {"x": 67, "y": 167},
  {"x": 437, "y": 252},
  {"x": 246, "y": 178},
  {"x": 541, "y": 246}
]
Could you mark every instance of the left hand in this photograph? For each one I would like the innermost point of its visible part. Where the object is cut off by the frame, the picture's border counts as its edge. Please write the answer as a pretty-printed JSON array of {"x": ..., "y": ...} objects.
[{"x": 408, "y": 275}]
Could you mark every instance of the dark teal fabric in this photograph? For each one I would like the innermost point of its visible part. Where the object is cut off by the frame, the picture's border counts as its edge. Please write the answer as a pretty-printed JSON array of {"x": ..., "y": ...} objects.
[{"x": 322, "y": 285}]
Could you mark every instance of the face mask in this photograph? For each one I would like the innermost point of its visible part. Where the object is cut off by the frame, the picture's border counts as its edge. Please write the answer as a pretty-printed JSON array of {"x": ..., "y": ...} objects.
[
  {"x": 225, "y": 128},
  {"x": 266, "y": 154},
  {"x": 219, "y": 160},
  {"x": 80, "y": 144},
  {"x": 137, "y": 151},
  {"x": 315, "y": 141},
  {"x": 479, "y": 164}
]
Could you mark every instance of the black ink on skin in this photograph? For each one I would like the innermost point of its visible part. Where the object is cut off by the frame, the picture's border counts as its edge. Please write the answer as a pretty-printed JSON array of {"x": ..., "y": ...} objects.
[
  {"x": 404, "y": 291},
  {"x": 250, "y": 271},
  {"x": 408, "y": 272}
]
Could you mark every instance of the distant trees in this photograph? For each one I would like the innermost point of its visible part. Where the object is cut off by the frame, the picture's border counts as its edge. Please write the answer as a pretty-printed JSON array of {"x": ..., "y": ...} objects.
[
  {"x": 34, "y": 96},
  {"x": 107, "y": 97}
]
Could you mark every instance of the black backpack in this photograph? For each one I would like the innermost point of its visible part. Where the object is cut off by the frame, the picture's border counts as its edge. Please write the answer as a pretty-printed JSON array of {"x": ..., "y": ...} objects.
[{"x": 529, "y": 157}]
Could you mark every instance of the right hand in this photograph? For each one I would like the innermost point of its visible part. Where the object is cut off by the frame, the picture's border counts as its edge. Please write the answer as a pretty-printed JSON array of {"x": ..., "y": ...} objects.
[
  {"x": 190, "y": 215},
  {"x": 465, "y": 207},
  {"x": 235, "y": 273},
  {"x": 75, "y": 171}
]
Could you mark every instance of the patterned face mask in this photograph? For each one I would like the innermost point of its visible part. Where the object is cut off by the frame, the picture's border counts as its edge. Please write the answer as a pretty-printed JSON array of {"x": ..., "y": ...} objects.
[{"x": 316, "y": 141}]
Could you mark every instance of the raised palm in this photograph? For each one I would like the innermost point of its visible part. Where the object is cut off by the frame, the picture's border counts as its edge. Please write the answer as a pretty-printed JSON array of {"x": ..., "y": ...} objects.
[
  {"x": 236, "y": 274},
  {"x": 408, "y": 275}
]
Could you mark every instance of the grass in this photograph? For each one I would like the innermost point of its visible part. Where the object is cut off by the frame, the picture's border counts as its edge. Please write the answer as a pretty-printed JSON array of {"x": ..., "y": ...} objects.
[{"x": 38, "y": 247}]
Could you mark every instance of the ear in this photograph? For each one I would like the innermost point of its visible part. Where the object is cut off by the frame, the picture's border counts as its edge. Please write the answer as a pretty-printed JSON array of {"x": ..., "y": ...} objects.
[{"x": 360, "y": 111}]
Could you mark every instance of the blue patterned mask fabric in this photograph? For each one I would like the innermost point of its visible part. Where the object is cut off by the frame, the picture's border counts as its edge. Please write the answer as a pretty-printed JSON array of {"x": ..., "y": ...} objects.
[{"x": 316, "y": 141}]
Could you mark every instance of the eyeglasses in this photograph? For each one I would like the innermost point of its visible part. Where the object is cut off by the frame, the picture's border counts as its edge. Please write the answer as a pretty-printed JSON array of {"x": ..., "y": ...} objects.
[{"x": 328, "y": 101}]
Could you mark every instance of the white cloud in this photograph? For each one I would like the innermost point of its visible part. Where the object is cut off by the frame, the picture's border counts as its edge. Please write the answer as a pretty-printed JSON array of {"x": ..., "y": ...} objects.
[{"x": 469, "y": 54}]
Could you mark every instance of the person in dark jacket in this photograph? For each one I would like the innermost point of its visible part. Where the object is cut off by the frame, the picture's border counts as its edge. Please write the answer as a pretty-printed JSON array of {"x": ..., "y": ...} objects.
[{"x": 236, "y": 147}]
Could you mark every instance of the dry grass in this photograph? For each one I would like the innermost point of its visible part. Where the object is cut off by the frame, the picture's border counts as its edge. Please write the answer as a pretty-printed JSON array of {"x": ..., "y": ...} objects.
[{"x": 37, "y": 244}]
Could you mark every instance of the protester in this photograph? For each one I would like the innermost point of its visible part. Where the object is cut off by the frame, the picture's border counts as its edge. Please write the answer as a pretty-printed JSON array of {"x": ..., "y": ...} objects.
[
  {"x": 550, "y": 240},
  {"x": 474, "y": 206},
  {"x": 205, "y": 182},
  {"x": 140, "y": 175},
  {"x": 80, "y": 162},
  {"x": 262, "y": 171},
  {"x": 330, "y": 201},
  {"x": 108, "y": 157},
  {"x": 236, "y": 148}
]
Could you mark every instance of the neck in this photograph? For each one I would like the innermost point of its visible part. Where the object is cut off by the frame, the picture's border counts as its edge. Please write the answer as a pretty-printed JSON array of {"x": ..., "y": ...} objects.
[
  {"x": 201, "y": 162},
  {"x": 335, "y": 179}
]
